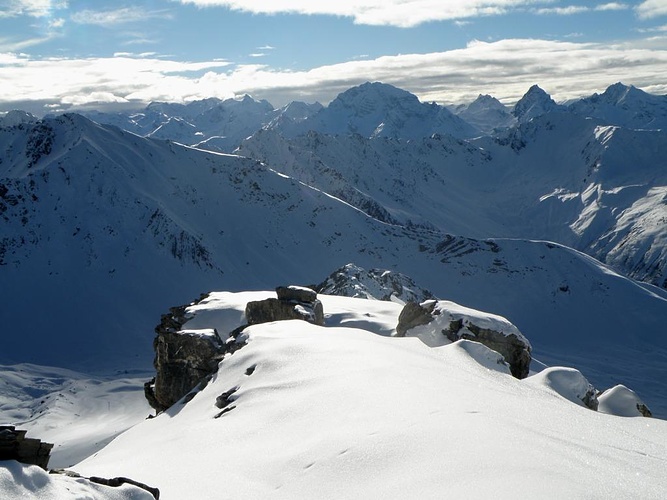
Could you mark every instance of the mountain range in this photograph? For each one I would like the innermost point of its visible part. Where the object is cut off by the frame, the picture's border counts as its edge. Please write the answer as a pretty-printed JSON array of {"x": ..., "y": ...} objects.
[{"x": 550, "y": 215}]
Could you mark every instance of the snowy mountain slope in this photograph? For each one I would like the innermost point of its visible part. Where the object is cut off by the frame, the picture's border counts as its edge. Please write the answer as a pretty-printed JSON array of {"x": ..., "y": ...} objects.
[
  {"x": 344, "y": 413},
  {"x": 382, "y": 110},
  {"x": 78, "y": 413},
  {"x": 103, "y": 216},
  {"x": 106, "y": 230},
  {"x": 428, "y": 182},
  {"x": 559, "y": 177},
  {"x": 625, "y": 106},
  {"x": 18, "y": 480}
]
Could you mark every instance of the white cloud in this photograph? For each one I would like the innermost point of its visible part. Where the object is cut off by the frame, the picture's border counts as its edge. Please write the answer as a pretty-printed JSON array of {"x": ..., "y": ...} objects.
[
  {"x": 13, "y": 45},
  {"x": 505, "y": 69},
  {"x": 33, "y": 8},
  {"x": 562, "y": 11},
  {"x": 403, "y": 13},
  {"x": 612, "y": 6},
  {"x": 651, "y": 8},
  {"x": 117, "y": 16}
]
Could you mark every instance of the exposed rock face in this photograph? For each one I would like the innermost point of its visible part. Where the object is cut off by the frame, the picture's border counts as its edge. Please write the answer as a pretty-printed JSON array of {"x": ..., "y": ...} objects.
[
  {"x": 414, "y": 314},
  {"x": 439, "y": 322},
  {"x": 183, "y": 358},
  {"x": 15, "y": 446},
  {"x": 513, "y": 349},
  {"x": 354, "y": 281},
  {"x": 293, "y": 302}
]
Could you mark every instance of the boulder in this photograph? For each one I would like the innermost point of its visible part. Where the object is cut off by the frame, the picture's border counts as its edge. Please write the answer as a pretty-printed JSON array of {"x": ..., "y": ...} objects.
[
  {"x": 15, "y": 446},
  {"x": 296, "y": 293},
  {"x": 291, "y": 303},
  {"x": 183, "y": 359},
  {"x": 440, "y": 322},
  {"x": 413, "y": 315}
]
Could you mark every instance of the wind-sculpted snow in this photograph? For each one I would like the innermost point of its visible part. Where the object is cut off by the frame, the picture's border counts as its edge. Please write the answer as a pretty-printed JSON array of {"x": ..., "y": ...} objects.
[
  {"x": 29, "y": 481},
  {"x": 335, "y": 412}
]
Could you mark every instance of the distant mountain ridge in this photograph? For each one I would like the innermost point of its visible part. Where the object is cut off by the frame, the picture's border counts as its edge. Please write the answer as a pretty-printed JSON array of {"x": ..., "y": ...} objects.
[{"x": 103, "y": 230}]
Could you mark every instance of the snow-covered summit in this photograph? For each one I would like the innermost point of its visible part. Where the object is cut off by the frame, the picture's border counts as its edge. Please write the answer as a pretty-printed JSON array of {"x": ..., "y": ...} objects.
[
  {"x": 486, "y": 113},
  {"x": 16, "y": 117},
  {"x": 625, "y": 106},
  {"x": 535, "y": 102},
  {"x": 382, "y": 110}
]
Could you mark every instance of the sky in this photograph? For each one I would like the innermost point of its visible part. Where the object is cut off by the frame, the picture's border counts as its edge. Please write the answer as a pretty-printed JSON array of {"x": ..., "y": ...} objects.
[{"x": 58, "y": 55}]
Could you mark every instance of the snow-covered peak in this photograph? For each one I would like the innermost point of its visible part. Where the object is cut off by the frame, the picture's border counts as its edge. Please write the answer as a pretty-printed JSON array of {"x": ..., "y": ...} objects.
[
  {"x": 625, "y": 106},
  {"x": 297, "y": 110},
  {"x": 534, "y": 103},
  {"x": 486, "y": 113},
  {"x": 369, "y": 96},
  {"x": 16, "y": 117},
  {"x": 382, "y": 110},
  {"x": 619, "y": 93}
]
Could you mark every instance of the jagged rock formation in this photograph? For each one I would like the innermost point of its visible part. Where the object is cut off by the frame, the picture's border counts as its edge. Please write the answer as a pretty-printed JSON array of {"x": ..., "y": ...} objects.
[
  {"x": 437, "y": 322},
  {"x": 354, "y": 281},
  {"x": 293, "y": 302},
  {"x": 183, "y": 358},
  {"x": 15, "y": 446}
]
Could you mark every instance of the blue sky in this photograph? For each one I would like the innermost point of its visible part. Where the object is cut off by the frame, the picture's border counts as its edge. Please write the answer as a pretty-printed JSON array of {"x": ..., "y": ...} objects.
[{"x": 65, "y": 54}]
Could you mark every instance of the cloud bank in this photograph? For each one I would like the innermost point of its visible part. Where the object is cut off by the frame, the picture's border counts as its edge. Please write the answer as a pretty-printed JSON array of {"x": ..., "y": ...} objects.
[
  {"x": 505, "y": 69},
  {"x": 410, "y": 13}
]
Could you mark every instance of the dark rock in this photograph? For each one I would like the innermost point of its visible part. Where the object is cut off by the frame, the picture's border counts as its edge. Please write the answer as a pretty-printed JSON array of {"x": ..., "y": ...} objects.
[
  {"x": 296, "y": 293},
  {"x": 455, "y": 325},
  {"x": 182, "y": 358},
  {"x": 414, "y": 314},
  {"x": 15, "y": 446},
  {"x": 292, "y": 303},
  {"x": 644, "y": 410},
  {"x": 513, "y": 349},
  {"x": 381, "y": 284},
  {"x": 225, "y": 398},
  {"x": 115, "y": 482}
]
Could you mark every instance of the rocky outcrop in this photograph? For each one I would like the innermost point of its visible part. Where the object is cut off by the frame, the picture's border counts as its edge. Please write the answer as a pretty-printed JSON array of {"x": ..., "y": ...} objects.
[
  {"x": 15, "y": 446},
  {"x": 440, "y": 322},
  {"x": 381, "y": 284},
  {"x": 413, "y": 315},
  {"x": 292, "y": 302},
  {"x": 183, "y": 358},
  {"x": 186, "y": 358}
]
